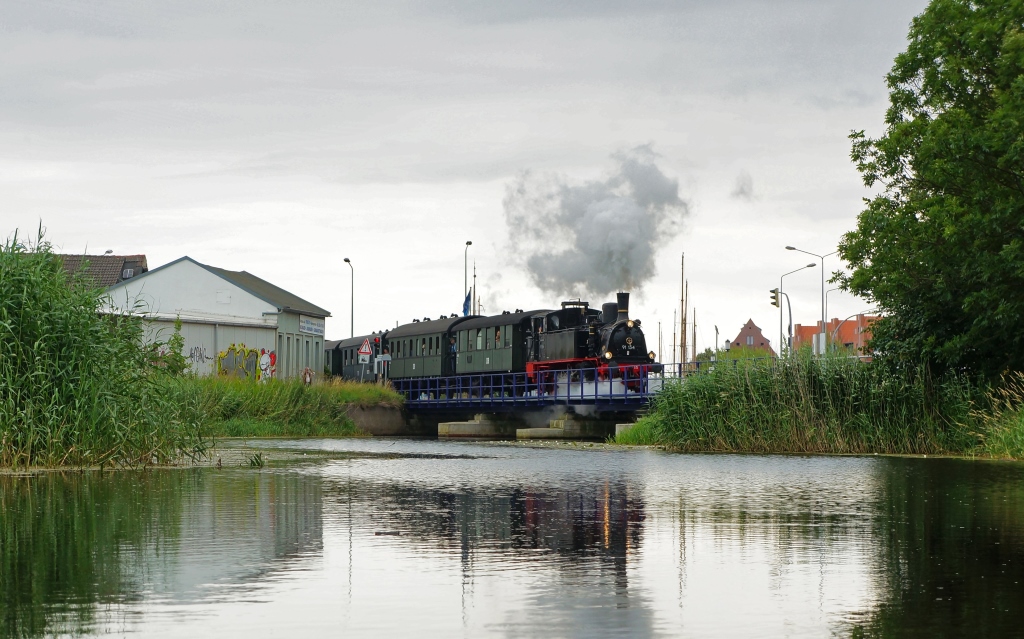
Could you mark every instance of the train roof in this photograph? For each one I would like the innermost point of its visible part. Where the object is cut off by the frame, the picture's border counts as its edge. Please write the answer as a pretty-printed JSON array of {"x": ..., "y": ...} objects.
[
  {"x": 356, "y": 341},
  {"x": 500, "y": 320},
  {"x": 427, "y": 328}
]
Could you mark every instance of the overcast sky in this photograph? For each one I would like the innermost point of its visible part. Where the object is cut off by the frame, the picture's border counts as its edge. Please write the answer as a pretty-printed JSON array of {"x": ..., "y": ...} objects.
[{"x": 280, "y": 137}]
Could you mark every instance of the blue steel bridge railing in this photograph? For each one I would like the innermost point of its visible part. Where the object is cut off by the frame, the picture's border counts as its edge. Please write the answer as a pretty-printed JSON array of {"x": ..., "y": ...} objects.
[{"x": 625, "y": 386}]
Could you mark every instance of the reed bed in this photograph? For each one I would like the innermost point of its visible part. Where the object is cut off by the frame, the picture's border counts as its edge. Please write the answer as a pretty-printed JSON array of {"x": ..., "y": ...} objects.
[
  {"x": 814, "y": 405},
  {"x": 1002, "y": 425},
  {"x": 229, "y": 407},
  {"x": 76, "y": 387}
]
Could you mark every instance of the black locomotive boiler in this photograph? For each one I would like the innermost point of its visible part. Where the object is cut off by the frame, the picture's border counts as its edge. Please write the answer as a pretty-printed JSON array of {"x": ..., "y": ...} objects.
[{"x": 575, "y": 337}]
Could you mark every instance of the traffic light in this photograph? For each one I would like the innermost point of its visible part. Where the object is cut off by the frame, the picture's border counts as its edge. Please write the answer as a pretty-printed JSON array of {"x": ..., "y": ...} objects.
[{"x": 775, "y": 297}]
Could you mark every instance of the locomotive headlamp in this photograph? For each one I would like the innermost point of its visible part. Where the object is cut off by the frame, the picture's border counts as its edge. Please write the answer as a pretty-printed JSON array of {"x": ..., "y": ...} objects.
[
  {"x": 651, "y": 355},
  {"x": 608, "y": 355},
  {"x": 629, "y": 323}
]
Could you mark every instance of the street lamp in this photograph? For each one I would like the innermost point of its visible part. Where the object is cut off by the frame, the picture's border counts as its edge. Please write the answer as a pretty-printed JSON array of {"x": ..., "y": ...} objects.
[
  {"x": 822, "y": 258},
  {"x": 352, "y": 301},
  {"x": 831, "y": 290},
  {"x": 465, "y": 271},
  {"x": 802, "y": 268}
]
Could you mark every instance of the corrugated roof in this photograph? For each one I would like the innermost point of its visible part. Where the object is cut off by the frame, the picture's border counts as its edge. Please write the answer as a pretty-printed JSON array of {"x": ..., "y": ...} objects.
[
  {"x": 499, "y": 320},
  {"x": 103, "y": 270},
  {"x": 427, "y": 328},
  {"x": 268, "y": 292}
]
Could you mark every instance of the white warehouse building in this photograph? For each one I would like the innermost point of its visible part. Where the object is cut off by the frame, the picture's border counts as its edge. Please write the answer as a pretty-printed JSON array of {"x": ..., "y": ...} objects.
[{"x": 233, "y": 322}]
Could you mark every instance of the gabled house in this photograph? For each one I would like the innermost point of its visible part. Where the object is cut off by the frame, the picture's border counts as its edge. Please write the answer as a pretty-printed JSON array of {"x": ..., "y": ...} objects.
[
  {"x": 751, "y": 337},
  {"x": 233, "y": 322}
]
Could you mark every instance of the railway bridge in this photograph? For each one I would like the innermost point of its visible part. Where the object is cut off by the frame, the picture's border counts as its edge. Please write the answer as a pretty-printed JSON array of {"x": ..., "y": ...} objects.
[{"x": 575, "y": 404}]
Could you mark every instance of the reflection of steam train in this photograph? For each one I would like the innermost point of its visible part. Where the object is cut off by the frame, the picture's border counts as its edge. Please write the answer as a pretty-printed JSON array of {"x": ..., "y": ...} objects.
[{"x": 603, "y": 344}]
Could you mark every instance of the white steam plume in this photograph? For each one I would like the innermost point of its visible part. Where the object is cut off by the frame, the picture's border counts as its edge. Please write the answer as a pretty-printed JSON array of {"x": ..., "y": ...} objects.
[{"x": 597, "y": 237}]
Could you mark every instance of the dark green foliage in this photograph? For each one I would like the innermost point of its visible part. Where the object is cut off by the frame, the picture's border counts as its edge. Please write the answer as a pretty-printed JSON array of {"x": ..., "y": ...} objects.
[
  {"x": 76, "y": 387},
  {"x": 941, "y": 248},
  {"x": 819, "y": 405}
]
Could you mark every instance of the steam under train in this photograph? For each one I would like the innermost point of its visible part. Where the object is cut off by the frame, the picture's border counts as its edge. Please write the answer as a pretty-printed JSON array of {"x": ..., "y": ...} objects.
[{"x": 605, "y": 343}]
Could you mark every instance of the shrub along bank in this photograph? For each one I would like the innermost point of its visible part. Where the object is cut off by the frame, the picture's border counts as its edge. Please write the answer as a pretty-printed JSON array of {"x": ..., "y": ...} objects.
[
  {"x": 832, "y": 405},
  {"x": 226, "y": 407}
]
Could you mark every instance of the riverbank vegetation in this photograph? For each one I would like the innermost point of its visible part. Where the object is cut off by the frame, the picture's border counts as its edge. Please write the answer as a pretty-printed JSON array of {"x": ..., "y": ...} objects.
[
  {"x": 228, "y": 407},
  {"x": 834, "y": 405},
  {"x": 81, "y": 388}
]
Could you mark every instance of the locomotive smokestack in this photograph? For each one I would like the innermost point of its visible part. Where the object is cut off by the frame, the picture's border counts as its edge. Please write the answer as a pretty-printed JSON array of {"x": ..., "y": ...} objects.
[{"x": 623, "y": 304}]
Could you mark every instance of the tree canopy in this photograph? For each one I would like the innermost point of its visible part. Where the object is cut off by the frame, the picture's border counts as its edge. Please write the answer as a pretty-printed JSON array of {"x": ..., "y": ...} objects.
[{"x": 940, "y": 249}]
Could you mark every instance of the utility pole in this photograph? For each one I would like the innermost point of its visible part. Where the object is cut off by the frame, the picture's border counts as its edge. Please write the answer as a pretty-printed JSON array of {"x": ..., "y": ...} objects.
[
  {"x": 474, "y": 288},
  {"x": 674, "y": 351},
  {"x": 682, "y": 306},
  {"x": 465, "y": 270}
]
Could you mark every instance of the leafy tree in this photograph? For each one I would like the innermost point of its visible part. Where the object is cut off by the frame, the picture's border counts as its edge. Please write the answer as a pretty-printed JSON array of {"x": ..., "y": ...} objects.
[{"x": 940, "y": 249}]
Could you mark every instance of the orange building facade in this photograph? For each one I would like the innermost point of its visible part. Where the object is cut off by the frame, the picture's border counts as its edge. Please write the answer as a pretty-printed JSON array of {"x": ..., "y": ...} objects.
[{"x": 853, "y": 333}]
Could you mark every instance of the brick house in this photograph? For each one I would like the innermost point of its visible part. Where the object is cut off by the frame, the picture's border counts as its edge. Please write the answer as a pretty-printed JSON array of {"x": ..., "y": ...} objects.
[
  {"x": 853, "y": 333},
  {"x": 751, "y": 337}
]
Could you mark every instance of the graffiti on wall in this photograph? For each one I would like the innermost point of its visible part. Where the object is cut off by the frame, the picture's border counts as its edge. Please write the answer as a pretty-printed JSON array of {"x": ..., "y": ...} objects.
[
  {"x": 242, "y": 362},
  {"x": 198, "y": 355}
]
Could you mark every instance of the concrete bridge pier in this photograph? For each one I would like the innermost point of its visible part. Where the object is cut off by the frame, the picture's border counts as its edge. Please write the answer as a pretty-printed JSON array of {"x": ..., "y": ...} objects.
[{"x": 483, "y": 425}]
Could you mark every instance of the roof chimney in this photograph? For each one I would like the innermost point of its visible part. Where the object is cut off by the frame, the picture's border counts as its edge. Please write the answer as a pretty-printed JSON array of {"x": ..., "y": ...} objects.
[{"x": 623, "y": 304}]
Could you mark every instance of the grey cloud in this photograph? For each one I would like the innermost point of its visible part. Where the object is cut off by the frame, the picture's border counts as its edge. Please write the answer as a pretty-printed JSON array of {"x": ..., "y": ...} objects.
[{"x": 597, "y": 237}]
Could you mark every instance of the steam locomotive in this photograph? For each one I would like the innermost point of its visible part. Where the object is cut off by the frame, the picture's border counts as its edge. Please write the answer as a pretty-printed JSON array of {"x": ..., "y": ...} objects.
[{"x": 601, "y": 344}]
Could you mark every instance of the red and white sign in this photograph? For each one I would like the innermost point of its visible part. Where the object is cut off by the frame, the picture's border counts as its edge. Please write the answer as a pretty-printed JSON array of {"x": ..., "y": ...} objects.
[{"x": 365, "y": 348}]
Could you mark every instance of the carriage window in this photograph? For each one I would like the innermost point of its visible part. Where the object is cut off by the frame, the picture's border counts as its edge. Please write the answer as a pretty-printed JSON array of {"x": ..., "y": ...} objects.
[
  {"x": 462, "y": 341},
  {"x": 553, "y": 323},
  {"x": 497, "y": 337},
  {"x": 488, "y": 338},
  {"x": 508, "y": 336},
  {"x": 479, "y": 339},
  {"x": 423, "y": 346}
]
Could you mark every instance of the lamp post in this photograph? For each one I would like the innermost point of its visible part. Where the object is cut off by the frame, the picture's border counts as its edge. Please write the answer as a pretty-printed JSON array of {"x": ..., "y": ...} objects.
[
  {"x": 826, "y": 298},
  {"x": 822, "y": 258},
  {"x": 352, "y": 301},
  {"x": 797, "y": 270}
]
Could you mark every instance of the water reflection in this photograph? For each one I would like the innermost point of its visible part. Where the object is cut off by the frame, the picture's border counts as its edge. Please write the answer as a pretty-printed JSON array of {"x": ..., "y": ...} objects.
[
  {"x": 78, "y": 550},
  {"x": 438, "y": 539}
]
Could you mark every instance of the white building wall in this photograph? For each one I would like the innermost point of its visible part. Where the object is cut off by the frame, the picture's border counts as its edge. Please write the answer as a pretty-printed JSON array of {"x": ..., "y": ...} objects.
[
  {"x": 224, "y": 327},
  {"x": 188, "y": 290}
]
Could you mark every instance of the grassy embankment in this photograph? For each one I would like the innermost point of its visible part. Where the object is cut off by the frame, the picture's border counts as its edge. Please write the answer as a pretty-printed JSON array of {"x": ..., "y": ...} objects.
[
  {"x": 228, "y": 407},
  {"x": 79, "y": 388},
  {"x": 833, "y": 405}
]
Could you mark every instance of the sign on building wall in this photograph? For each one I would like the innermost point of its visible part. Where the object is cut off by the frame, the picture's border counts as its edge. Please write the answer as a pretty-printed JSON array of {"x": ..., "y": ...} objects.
[{"x": 311, "y": 325}]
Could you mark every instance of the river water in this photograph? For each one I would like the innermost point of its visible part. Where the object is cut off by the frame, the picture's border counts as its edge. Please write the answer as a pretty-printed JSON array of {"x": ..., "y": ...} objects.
[{"x": 401, "y": 538}]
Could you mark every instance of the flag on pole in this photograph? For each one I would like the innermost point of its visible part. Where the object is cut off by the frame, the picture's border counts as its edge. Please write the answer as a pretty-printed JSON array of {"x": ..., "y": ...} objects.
[{"x": 465, "y": 306}]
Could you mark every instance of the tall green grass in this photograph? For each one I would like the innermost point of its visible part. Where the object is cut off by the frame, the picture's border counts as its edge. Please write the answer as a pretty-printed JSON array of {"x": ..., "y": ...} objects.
[
  {"x": 229, "y": 407},
  {"x": 76, "y": 387},
  {"x": 1002, "y": 425},
  {"x": 814, "y": 405}
]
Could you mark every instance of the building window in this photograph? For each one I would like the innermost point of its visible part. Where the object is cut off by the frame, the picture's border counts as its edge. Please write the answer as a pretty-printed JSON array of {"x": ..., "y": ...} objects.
[{"x": 750, "y": 340}]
